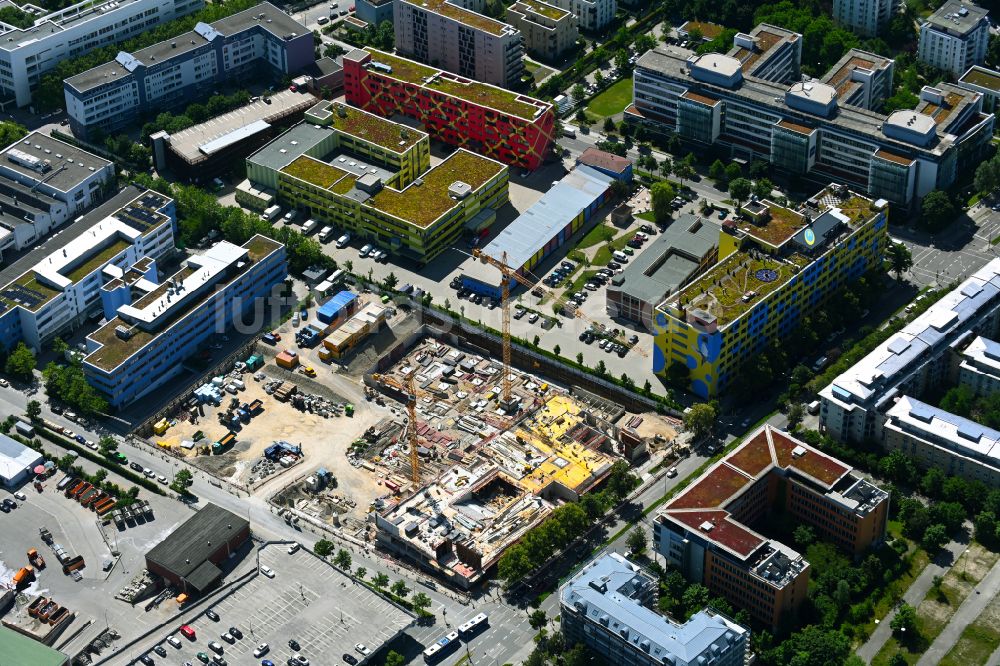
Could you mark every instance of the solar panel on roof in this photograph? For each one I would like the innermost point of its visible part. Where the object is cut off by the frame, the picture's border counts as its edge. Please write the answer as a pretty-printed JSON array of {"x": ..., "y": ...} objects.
[{"x": 23, "y": 295}]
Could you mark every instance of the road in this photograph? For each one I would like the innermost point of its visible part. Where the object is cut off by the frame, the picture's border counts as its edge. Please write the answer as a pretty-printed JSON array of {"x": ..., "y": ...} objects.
[
  {"x": 956, "y": 252},
  {"x": 963, "y": 617}
]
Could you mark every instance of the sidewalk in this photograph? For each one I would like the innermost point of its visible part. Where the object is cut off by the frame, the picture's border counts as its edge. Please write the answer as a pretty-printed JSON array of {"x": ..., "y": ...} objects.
[
  {"x": 913, "y": 596},
  {"x": 965, "y": 615}
]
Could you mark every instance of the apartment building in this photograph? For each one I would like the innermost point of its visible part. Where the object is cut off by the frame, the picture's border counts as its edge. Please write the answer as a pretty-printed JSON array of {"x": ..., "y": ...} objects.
[
  {"x": 933, "y": 437},
  {"x": 505, "y": 126},
  {"x": 978, "y": 366},
  {"x": 455, "y": 35},
  {"x": 867, "y": 18},
  {"x": 262, "y": 42},
  {"x": 159, "y": 325},
  {"x": 707, "y": 532},
  {"x": 45, "y": 183},
  {"x": 773, "y": 268},
  {"x": 28, "y": 53},
  {"x": 607, "y": 608},
  {"x": 752, "y": 103},
  {"x": 56, "y": 288},
  {"x": 372, "y": 177},
  {"x": 914, "y": 361},
  {"x": 548, "y": 31},
  {"x": 591, "y": 15},
  {"x": 374, "y": 12},
  {"x": 955, "y": 37}
]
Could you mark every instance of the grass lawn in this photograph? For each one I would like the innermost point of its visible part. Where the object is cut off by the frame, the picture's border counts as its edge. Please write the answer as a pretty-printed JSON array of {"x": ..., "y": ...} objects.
[
  {"x": 979, "y": 640},
  {"x": 577, "y": 283},
  {"x": 596, "y": 235},
  {"x": 613, "y": 100},
  {"x": 538, "y": 72},
  {"x": 603, "y": 254},
  {"x": 648, "y": 216}
]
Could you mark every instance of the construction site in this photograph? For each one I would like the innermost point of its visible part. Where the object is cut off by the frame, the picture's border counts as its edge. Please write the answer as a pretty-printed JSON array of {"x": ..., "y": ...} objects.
[{"x": 482, "y": 456}]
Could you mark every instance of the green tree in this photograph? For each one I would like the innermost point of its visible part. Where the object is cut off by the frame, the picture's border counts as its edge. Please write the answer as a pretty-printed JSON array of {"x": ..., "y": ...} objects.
[
  {"x": 609, "y": 125},
  {"x": 391, "y": 281},
  {"x": 762, "y": 188},
  {"x": 21, "y": 362},
  {"x": 601, "y": 369},
  {"x": 579, "y": 358},
  {"x": 935, "y": 536},
  {"x": 804, "y": 536},
  {"x": 33, "y": 410},
  {"x": 621, "y": 60},
  {"x": 899, "y": 258},
  {"x": 421, "y": 601},
  {"x": 739, "y": 190},
  {"x": 700, "y": 420},
  {"x": 937, "y": 211},
  {"x": 662, "y": 194},
  {"x": 959, "y": 400},
  {"x": 400, "y": 589},
  {"x": 579, "y": 92},
  {"x": 637, "y": 540},
  {"x": 323, "y": 547},
  {"x": 360, "y": 573},
  {"x": 393, "y": 658},
  {"x": 904, "y": 621},
  {"x": 182, "y": 481},
  {"x": 537, "y": 619},
  {"x": 536, "y": 340},
  {"x": 343, "y": 559},
  {"x": 932, "y": 482},
  {"x": 666, "y": 167},
  {"x": 694, "y": 599},
  {"x": 380, "y": 580},
  {"x": 717, "y": 171},
  {"x": 733, "y": 171},
  {"x": 987, "y": 178},
  {"x": 898, "y": 659},
  {"x": 59, "y": 346},
  {"x": 795, "y": 414}
]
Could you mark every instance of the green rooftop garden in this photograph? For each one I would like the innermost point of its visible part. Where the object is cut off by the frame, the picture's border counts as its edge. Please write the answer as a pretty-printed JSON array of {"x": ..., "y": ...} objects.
[
  {"x": 422, "y": 204},
  {"x": 859, "y": 209},
  {"x": 978, "y": 77},
  {"x": 259, "y": 247},
  {"x": 372, "y": 128},
  {"x": 113, "y": 349},
  {"x": 721, "y": 290},
  {"x": 314, "y": 171},
  {"x": 344, "y": 185},
  {"x": 96, "y": 261},
  {"x": 475, "y": 92},
  {"x": 545, "y": 9},
  {"x": 466, "y": 16},
  {"x": 28, "y": 281},
  {"x": 782, "y": 225}
]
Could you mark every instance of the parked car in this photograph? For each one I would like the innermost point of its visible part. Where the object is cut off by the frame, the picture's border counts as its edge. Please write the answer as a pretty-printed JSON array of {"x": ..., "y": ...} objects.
[
  {"x": 235, "y": 633},
  {"x": 215, "y": 646},
  {"x": 135, "y": 466},
  {"x": 212, "y": 615},
  {"x": 519, "y": 312},
  {"x": 350, "y": 659},
  {"x": 362, "y": 649},
  {"x": 533, "y": 317},
  {"x": 267, "y": 571},
  {"x": 261, "y": 650},
  {"x": 366, "y": 250}
]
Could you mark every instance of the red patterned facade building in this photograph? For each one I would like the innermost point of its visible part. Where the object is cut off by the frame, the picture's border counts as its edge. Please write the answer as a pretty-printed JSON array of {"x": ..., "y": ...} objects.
[{"x": 487, "y": 120}]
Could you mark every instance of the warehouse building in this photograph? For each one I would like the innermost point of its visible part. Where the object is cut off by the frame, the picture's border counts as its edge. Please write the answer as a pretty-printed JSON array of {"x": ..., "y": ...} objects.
[
  {"x": 16, "y": 462},
  {"x": 538, "y": 231},
  {"x": 190, "y": 557},
  {"x": 680, "y": 253}
]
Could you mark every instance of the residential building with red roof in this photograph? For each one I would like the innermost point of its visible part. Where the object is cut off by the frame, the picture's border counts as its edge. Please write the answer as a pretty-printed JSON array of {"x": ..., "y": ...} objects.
[
  {"x": 613, "y": 165},
  {"x": 707, "y": 531}
]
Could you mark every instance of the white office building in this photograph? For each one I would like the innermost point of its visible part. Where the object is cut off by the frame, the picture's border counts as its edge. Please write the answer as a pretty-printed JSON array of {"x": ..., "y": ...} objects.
[
  {"x": 27, "y": 53},
  {"x": 955, "y": 37},
  {"x": 864, "y": 17}
]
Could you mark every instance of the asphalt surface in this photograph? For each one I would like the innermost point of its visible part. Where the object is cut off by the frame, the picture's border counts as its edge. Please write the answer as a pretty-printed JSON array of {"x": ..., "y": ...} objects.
[{"x": 955, "y": 253}]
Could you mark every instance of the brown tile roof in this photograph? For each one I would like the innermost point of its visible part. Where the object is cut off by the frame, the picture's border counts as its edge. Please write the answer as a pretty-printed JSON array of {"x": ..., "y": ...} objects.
[
  {"x": 712, "y": 489},
  {"x": 604, "y": 160},
  {"x": 812, "y": 463},
  {"x": 725, "y": 531},
  {"x": 754, "y": 457}
]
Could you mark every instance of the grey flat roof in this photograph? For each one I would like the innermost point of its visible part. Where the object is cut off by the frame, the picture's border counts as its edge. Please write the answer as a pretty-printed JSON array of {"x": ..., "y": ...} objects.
[
  {"x": 68, "y": 171},
  {"x": 769, "y": 95},
  {"x": 273, "y": 20},
  {"x": 290, "y": 145},
  {"x": 68, "y": 234},
  {"x": 669, "y": 260},
  {"x": 190, "y": 545},
  {"x": 606, "y": 591},
  {"x": 949, "y": 16}
]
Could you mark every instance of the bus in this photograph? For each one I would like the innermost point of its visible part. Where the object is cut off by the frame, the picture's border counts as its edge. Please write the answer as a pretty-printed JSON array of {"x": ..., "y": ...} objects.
[
  {"x": 473, "y": 625},
  {"x": 441, "y": 647}
]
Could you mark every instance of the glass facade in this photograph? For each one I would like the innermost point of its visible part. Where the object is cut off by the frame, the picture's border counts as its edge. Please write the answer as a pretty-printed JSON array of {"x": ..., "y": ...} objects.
[
  {"x": 789, "y": 150},
  {"x": 695, "y": 121},
  {"x": 890, "y": 180}
]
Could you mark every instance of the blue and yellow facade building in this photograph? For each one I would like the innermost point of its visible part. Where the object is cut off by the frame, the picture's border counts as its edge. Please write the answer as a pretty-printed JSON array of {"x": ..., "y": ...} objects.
[{"x": 776, "y": 266}]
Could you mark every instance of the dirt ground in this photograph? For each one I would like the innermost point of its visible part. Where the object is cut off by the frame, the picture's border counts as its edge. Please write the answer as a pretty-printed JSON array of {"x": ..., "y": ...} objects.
[
  {"x": 970, "y": 568},
  {"x": 324, "y": 441},
  {"x": 653, "y": 424}
]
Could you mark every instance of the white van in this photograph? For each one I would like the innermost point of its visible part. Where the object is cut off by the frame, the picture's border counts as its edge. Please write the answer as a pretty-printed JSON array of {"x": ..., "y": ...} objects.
[
  {"x": 290, "y": 216},
  {"x": 310, "y": 226},
  {"x": 271, "y": 213},
  {"x": 620, "y": 257},
  {"x": 325, "y": 234},
  {"x": 813, "y": 407},
  {"x": 343, "y": 240}
]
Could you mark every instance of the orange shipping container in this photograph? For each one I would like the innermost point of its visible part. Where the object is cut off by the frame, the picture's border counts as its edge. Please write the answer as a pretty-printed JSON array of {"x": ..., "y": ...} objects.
[{"x": 287, "y": 359}]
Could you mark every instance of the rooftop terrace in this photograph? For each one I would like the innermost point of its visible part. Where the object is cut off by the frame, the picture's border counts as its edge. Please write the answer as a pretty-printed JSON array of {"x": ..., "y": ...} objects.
[
  {"x": 482, "y": 94},
  {"x": 314, "y": 171},
  {"x": 369, "y": 127},
  {"x": 982, "y": 77},
  {"x": 543, "y": 9},
  {"x": 780, "y": 225},
  {"x": 422, "y": 204}
]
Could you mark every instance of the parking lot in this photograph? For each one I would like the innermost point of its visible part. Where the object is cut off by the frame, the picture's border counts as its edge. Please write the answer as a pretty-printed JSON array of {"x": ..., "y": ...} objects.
[
  {"x": 76, "y": 529},
  {"x": 307, "y": 601}
]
